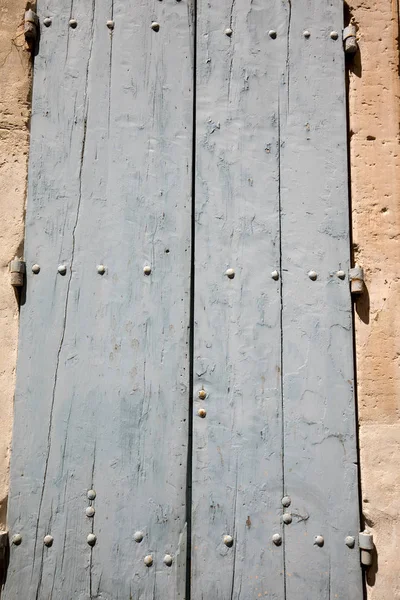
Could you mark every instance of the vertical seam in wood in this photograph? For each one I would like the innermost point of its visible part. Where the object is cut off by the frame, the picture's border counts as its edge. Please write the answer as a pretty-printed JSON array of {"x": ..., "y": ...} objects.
[
  {"x": 189, "y": 470},
  {"x": 281, "y": 337}
]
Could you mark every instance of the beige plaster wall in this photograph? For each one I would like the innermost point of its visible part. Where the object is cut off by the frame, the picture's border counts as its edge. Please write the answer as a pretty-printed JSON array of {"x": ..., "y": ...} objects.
[
  {"x": 374, "y": 89},
  {"x": 374, "y": 121},
  {"x": 14, "y": 122}
]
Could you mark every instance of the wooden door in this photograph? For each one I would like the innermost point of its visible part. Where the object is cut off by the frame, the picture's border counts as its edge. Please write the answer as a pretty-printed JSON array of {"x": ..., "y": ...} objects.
[{"x": 184, "y": 416}]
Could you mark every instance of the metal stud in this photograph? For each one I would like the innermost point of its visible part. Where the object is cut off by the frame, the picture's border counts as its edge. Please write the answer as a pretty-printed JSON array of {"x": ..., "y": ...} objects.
[
  {"x": 110, "y": 24},
  {"x": 155, "y": 26},
  {"x": 341, "y": 274},
  {"x": 147, "y": 270},
  {"x": 101, "y": 269},
  {"x": 287, "y": 518},
  {"x": 17, "y": 539},
  {"x": 277, "y": 539},
  {"x": 230, "y": 273},
  {"x": 138, "y": 536},
  {"x": 319, "y": 541},
  {"x": 47, "y": 22},
  {"x": 228, "y": 540},
  {"x": 228, "y": 31},
  {"x": 73, "y": 23},
  {"x": 275, "y": 275},
  {"x": 148, "y": 560},
  {"x": 168, "y": 560},
  {"x": 350, "y": 541},
  {"x": 286, "y": 501},
  {"x": 312, "y": 275},
  {"x": 62, "y": 269},
  {"x": 48, "y": 540},
  {"x": 334, "y": 35},
  {"x": 91, "y": 494},
  {"x": 36, "y": 269},
  {"x": 306, "y": 34},
  {"x": 91, "y": 539},
  {"x": 202, "y": 394},
  {"x": 202, "y": 412},
  {"x": 272, "y": 33},
  {"x": 90, "y": 511}
]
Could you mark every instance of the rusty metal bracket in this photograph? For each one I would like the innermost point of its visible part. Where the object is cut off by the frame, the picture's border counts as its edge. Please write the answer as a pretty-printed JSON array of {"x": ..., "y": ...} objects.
[
  {"x": 350, "y": 39},
  {"x": 356, "y": 276},
  {"x": 366, "y": 543}
]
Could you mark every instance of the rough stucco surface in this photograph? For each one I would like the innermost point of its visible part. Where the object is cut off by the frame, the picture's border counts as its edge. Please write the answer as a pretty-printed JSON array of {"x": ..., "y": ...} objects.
[
  {"x": 375, "y": 168},
  {"x": 375, "y": 183},
  {"x": 14, "y": 122}
]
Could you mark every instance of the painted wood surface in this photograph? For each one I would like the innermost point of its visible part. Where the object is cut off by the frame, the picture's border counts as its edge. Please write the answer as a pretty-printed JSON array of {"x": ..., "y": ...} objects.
[
  {"x": 237, "y": 456},
  {"x": 320, "y": 457},
  {"x": 271, "y": 113},
  {"x": 103, "y": 368},
  {"x": 105, "y": 357}
]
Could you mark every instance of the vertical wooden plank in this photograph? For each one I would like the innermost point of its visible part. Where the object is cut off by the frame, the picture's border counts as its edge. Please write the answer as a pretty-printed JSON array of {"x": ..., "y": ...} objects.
[
  {"x": 115, "y": 400},
  {"x": 320, "y": 458},
  {"x": 237, "y": 462},
  {"x": 37, "y": 495}
]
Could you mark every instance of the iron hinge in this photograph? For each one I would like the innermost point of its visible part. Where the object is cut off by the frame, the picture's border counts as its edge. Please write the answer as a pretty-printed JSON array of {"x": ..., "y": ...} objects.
[
  {"x": 356, "y": 276},
  {"x": 31, "y": 28},
  {"x": 17, "y": 272},
  {"x": 350, "y": 39},
  {"x": 366, "y": 543}
]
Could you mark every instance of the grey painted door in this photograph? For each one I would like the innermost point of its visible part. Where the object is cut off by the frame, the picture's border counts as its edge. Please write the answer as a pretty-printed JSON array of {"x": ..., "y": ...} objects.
[
  {"x": 184, "y": 411},
  {"x": 103, "y": 368}
]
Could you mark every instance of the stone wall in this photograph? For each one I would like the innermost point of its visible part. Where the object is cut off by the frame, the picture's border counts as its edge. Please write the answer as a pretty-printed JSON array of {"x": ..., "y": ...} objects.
[
  {"x": 374, "y": 89},
  {"x": 15, "y": 77}
]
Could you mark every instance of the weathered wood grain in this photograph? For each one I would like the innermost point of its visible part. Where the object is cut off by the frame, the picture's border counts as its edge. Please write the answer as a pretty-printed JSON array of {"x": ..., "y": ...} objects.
[
  {"x": 237, "y": 456},
  {"x": 103, "y": 365},
  {"x": 320, "y": 458}
]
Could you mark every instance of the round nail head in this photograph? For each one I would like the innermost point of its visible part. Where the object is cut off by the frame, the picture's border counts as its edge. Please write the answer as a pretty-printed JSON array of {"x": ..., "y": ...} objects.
[
  {"x": 36, "y": 269},
  {"x": 138, "y": 536},
  {"x": 90, "y": 511},
  {"x": 48, "y": 540},
  {"x": 62, "y": 269},
  {"x": 228, "y": 31},
  {"x": 287, "y": 518},
  {"x": 202, "y": 394},
  {"x": 319, "y": 541},
  {"x": 110, "y": 24},
  {"x": 17, "y": 539},
  {"x": 168, "y": 560},
  {"x": 350, "y": 541},
  {"x": 73, "y": 23},
  {"x": 101, "y": 269},
  {"x": 91, "y": 539},
  {"x": 312, "y": 275},
  {"x": 147, "y": 270},
  {"x": 275, "y": 275},
  {"x": 228, "y": 540},
  {"x": 230, "y": 273},
  {"x": 277, "y": 539},
  {"x": 47, "y": 22},
  {"x": 155, "y": 26},
  {"x": 286, "y": 501},
  {"x": 272, "y": 33},
  {"x": 334, "y": 35},
  {"x": 91, "y": 494},
  {"x": 341, "y": 274},
  {"x": 148, "y": 560},
  {"x": 202, "y": 413},
  {"x": 306, "y": 34}
]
